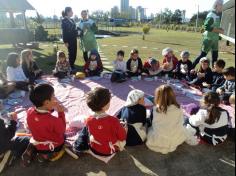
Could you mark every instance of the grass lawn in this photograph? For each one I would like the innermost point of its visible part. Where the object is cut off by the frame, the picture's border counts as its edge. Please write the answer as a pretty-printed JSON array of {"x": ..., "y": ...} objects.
[{"x": 152, "y": 46}]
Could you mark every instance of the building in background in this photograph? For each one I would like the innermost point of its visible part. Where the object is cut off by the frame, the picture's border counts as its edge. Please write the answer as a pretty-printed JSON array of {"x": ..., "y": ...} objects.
[
  {"x": 140, "y": 14},
  {"x": 132, "y": 13},
  {"x": 124, "y": 6},
  {"x": 115, "y": 12}
]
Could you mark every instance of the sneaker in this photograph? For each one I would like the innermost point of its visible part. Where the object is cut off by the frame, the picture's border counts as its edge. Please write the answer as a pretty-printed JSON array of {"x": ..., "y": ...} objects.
[
  {"x": 28, "y": 155},
  {"x": 4, "y": 161}
]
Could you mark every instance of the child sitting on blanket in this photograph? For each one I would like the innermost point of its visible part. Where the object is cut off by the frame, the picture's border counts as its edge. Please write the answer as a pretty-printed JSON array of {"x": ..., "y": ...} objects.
[
  {"x": 119, "y": 73},
  {"x": 228, "y": 88},
  {"x": 104, "y": 133},
  {"x": 169, "y": 62},
  {"x": 183, "y": 67},
  {"x": 134, "y": 64},
  {"x": 134, "y": 113},
  {"x": 203, "y": 75},
  {"x": 10, "y": 146},
  {"x": 151, "y": 67},
  {"x": 15, "y": 72},
  {"x": 93, "y": 66},
  {"x": 47, "y": 130},
  {"x": 167, "y": 131},
  {"x": 218, "y": 77},
  {"x": 211, "y": 122},
  {"x": 29, "y": 66},
  {"x": 6, "y": 87},
  {"x": 62, "y": 68}
]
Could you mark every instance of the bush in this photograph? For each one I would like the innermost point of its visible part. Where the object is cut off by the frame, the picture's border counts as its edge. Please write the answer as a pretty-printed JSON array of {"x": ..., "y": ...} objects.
[
  {"x": 146, "y": 29},
  {"x": 41, "y": 34}
]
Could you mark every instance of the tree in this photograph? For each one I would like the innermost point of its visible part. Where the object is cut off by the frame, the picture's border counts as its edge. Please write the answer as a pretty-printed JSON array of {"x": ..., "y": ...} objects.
[
  {"x": 177, "y": 17},
  {"x": 166, "y": 16},
  {"x": 201, "y": 18}
]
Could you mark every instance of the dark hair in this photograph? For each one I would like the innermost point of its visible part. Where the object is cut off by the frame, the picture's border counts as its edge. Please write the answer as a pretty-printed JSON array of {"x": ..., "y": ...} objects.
[
  {"x": 121, "y": 53},
  {"x": 40, "y": 93},
  {"x": 66, "y": 11},
  {"x": 98, "y": 98},
  {"x": 211, "y": 102},
  {"x": 86, "y": 11},
  {"x": 229, "y": 72},
  {"x": 11, "y": 60},
  {"x": 134, "y": 51},
  {"x": 220, "y": 63}
]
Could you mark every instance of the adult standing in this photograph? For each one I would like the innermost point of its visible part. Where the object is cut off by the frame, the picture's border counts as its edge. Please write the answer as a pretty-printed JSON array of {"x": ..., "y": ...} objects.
[
  {"x": 69, "y": 35},
  {"x": 87, "y": 37},
  {"x": 211, "y": 35}
]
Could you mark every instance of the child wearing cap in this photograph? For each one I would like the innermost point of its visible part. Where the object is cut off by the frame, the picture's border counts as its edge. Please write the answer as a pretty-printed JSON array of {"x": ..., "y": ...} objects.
[
  {"x": 203, "y": 75},
  {"x": 93, "y": 66},
  {"x": 151, "y": 67},
  {"x": 169, "y": 62},
  {"x": 184, "y": 66},
  {"x": 134, "y": 113}
]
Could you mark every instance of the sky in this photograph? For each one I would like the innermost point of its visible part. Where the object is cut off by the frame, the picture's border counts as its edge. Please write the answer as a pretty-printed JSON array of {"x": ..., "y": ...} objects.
[{"x": 51, "y": 7}]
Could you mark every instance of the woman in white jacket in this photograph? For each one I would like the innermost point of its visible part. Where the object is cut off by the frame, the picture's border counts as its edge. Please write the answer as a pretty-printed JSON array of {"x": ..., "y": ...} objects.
[{"x": 167, "y": 131}]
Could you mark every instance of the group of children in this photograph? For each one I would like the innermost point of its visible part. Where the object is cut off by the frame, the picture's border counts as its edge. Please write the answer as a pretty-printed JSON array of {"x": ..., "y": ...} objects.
[{"x": 104, "y": 135}]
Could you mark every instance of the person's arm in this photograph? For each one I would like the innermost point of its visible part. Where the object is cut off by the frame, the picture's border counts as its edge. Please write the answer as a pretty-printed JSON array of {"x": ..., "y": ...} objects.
[
  {"x": 198, "y": 119},
  {"x": 100, "y": 65},
  {"x": 120, "y": 130},
  {"x": 23, "y": 74},
  {"x": 64, "y": 31},
  {"x": 129, "y": 65},
  {"x": 208, "y": 26},
  {"x": 8, "y": 132},
  {"x": 25, "y": 70},
  {"x": 94, "y": 27},
  {"x": 209, "y": 77},
  {"x": 140, "y": 65},
  {"x": 219, "y": 82}
]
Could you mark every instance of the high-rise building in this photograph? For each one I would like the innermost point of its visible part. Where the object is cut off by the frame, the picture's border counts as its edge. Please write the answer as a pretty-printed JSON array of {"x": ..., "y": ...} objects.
[
  {"x": 140, "y": 13},
  {"x": 115, "y": 12},
  {"x": 124, "y": 6},
  {"x": 132, "y": 13}
]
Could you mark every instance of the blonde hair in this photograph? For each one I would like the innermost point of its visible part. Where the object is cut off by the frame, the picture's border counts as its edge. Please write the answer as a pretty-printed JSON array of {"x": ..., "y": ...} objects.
[
  {"x": 24, "y": 58},
  {"x": 164, "y": 97},
  {"x": 232, "y": 99}
]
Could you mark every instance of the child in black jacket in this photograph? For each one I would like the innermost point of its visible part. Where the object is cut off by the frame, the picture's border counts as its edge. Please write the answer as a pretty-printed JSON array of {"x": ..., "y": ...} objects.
[
  {"x": 218, "y": 77},
  {"x": 134, "y": 64},
  {"x": 204, "y": 74},
  {"x": 184, "y": 66},
  {"x": 10, "y": 146},
  {"x": 134, "y": 114}
]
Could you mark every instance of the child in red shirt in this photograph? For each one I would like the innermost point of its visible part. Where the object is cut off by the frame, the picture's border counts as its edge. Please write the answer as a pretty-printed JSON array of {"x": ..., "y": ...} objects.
[
  {"x": 106, "y": 134},
  {"x": 47, "y": 130}
]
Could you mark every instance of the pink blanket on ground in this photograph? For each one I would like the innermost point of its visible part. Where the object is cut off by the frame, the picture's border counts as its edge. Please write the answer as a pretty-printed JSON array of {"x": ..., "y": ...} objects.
[{"x": 72, "y": 94}]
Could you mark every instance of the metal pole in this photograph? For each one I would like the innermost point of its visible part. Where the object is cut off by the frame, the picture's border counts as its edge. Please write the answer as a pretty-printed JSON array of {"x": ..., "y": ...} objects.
[{"x": 197, "y": 18}]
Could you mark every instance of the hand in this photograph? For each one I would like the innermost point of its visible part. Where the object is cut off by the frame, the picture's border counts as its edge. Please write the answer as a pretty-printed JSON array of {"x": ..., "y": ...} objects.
[
  {"x": 192, "y": 71},
  {"x": 221, "y": 31},
  {"x": 59, "y": 107},
  {"x": 67, "y": 45},
  {"x": 219, "y": 91},
  {"x": 206, "y": 85}
]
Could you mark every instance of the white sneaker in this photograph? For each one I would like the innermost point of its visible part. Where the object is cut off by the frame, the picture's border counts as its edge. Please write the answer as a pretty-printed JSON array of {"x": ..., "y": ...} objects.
[{"x": 5, "y": 160}]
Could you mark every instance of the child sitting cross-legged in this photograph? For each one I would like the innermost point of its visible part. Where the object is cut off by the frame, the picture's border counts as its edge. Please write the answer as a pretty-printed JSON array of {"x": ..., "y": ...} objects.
[
  {"x": 228, "y": 88},
  {"x": 15, "y": 72},
  {"x": 119, "y": 73},
  {"x": 167, "y": 131},
  {"x": 183, "y": 67},
  {"x": 134, "y": 113},
  {"x": 47, "y": 130},
  {"x": 29, "y": 66},
  {"x": 6, "y": 87},
  {"x": 62, "y": 68},
  {"x": 218, "y": 77},
  {"x": 151, "y": 67},
  {"x": 104, "y": 133},
  {"x": 203, "y": 75},
  {"x": 134, "y": 64},
  {"x": 93, "y": 66},
  {"x": 211, "y": 122},
  {"x": 170, "y": 61}
]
